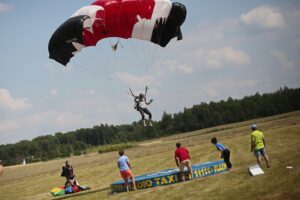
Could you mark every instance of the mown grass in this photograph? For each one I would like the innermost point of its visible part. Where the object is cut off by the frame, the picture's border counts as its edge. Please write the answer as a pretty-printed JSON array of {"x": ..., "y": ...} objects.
[
  {"x": 34, "y": 181},
  {"x": 115, "y": 147}
]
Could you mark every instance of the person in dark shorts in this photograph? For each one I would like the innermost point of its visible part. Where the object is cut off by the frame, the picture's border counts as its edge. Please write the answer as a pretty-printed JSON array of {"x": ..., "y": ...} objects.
[
  {"x": 68, "y": 172},
  {"x": 225, "y": 153}
]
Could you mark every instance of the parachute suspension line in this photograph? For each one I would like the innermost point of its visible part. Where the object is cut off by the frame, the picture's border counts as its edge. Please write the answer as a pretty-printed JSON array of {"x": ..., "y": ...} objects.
[
  {"x": 101, "y": 64},
  {"x": 86, "y": 70},
  {"x": 90, "y": 61},
  {"x": 85, "y": 67},
  {"x": 153, "y": 56},
  {"x": 109, "y": 63}
]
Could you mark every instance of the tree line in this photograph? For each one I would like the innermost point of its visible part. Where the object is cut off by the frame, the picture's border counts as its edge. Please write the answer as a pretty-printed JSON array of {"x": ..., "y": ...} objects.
[{"x": 199, "y": 116}]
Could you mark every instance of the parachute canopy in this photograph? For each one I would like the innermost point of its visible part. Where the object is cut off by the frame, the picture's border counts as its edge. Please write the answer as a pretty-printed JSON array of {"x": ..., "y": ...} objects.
[{"x": 156, "y": 21}]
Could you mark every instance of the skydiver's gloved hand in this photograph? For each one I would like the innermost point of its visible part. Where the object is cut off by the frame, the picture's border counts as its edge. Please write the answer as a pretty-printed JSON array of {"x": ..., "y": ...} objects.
[{"x": 151, "y": 100}]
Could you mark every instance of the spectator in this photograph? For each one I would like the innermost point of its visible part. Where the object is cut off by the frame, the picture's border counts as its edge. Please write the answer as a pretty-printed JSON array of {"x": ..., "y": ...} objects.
[
  {"x": 68, "y": 172},
  {"x": 225, "y": 153},
  {"x": 125, "y": 170},
  {"x": 258, "y": 145},
  {"x": 182, "y": 159}
]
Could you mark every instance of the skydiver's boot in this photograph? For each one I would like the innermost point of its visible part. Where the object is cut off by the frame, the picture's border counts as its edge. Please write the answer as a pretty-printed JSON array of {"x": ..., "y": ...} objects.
[
  {"x": 150, "y": 123},
  {"x": 144, "y": 123}
]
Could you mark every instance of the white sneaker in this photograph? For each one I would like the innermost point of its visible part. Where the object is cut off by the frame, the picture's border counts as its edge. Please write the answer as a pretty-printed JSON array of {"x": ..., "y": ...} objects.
[
  {"x": 144, "y": 123},
  {"x": 150, "y": 124}
]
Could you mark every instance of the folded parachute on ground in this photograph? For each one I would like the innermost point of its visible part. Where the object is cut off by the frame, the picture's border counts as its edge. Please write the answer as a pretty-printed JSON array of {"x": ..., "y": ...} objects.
[
  {"x": 156, "y": 21},
  {"x": 58, "y": 191}
]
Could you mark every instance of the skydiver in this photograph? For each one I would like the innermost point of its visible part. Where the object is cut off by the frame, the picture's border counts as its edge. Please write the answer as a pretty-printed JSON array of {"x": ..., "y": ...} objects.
[{"x": 141, "y": 106}]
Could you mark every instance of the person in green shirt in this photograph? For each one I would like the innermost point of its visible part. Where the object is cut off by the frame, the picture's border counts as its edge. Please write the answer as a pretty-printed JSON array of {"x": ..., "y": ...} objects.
[{"x": 258, "y": 144}]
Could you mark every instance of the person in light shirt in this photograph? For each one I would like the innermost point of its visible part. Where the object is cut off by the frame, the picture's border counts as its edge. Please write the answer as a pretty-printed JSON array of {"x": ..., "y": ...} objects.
[
  {"x": 225, "y": 152},
  {"x": 125, "y": 170}
]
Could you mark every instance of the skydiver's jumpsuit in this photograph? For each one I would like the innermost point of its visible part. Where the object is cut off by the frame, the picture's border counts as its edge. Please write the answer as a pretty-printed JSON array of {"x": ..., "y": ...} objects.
[{"x": 141, "y": 106}]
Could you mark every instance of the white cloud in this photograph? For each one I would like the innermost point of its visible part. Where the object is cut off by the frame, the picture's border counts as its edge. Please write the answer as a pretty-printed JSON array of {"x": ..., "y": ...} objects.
[
  {"x": 53, "y": 92},
  {"x": 174, "y": 65},
  {"x": 8, "y": 102},
  {"x": 264, "y": 17},
  {"x": 134, "y": 80},
  {"x": 5, "y": 7},
  {"x": 55, "y": 118},
  {"x": 90, "y": 92},
  {"x": 68, "y": 118},
  {"x": 283, "y": 60},
  {"x": 7, "y": 126},
  {"x": 220, "y": 56},
  {"x": 217, "y": 57},
  {"x": 223, "y": 88}
]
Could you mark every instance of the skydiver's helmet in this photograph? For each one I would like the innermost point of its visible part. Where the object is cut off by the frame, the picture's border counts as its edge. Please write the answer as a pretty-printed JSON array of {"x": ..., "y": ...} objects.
[{"x": 141, "y": 95}]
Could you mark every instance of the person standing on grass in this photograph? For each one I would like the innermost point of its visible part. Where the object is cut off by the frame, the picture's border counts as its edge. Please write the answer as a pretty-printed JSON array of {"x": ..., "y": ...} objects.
[
  {"x": 258, "y": 145},
  {"x": 182, "y": 159},
  {"x": 1, "y": 168},
  {"x": 68, "y": 172},
  {"x": 225, "y": 153},
  {"x": 125, "y": 170}
]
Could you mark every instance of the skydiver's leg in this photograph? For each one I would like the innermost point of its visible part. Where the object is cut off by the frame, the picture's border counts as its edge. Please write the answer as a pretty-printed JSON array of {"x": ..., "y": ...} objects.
[
  {"x": 149, "y": 114},
  {"x": 143, "y": 115}
]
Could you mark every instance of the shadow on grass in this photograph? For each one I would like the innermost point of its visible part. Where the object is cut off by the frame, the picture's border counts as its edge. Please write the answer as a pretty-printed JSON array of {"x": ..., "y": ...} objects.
[{"x": 81, "y": 193}]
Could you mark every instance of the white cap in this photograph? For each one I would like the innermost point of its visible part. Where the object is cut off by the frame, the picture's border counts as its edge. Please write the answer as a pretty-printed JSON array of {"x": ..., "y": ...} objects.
[{"x": 253, "y": 126}]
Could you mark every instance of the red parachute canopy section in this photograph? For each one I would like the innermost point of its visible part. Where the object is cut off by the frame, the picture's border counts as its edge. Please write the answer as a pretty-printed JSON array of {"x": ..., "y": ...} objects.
[{"x": 156, "y": 21}]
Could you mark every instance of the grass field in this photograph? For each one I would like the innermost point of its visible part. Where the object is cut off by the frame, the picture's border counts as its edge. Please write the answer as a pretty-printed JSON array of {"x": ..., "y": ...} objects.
[{"x": 282, "y": 133}]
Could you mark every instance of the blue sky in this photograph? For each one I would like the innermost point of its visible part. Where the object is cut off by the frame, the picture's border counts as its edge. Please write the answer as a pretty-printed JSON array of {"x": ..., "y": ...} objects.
[{"x": 230, "y": 49}]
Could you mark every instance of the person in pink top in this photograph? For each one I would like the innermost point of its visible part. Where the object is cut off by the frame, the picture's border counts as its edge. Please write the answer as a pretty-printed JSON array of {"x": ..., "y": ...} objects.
[{"x": 183, "y": 159}]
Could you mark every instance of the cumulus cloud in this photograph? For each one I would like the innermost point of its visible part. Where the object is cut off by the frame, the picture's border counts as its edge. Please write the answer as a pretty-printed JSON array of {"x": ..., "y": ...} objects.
[
  {"x": 264, "y": 17},
  {"x": 221, "y": 56},
  {"x": 225, "y": 87},
  {"x": 53, "y": 92},
  {"x": 5, "y": 7},
  {"x": 90, "y": 92},
  {"x": 7, "y": 126},
  {"x": 172, "y": 66},
  {"x": 63, "y": 119},
  {"x": 130, "y": 79},
  {"x": 283, "y": 60},
  {"x": 217, "y": 57},
  {"x": 8, "y": 102}
]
